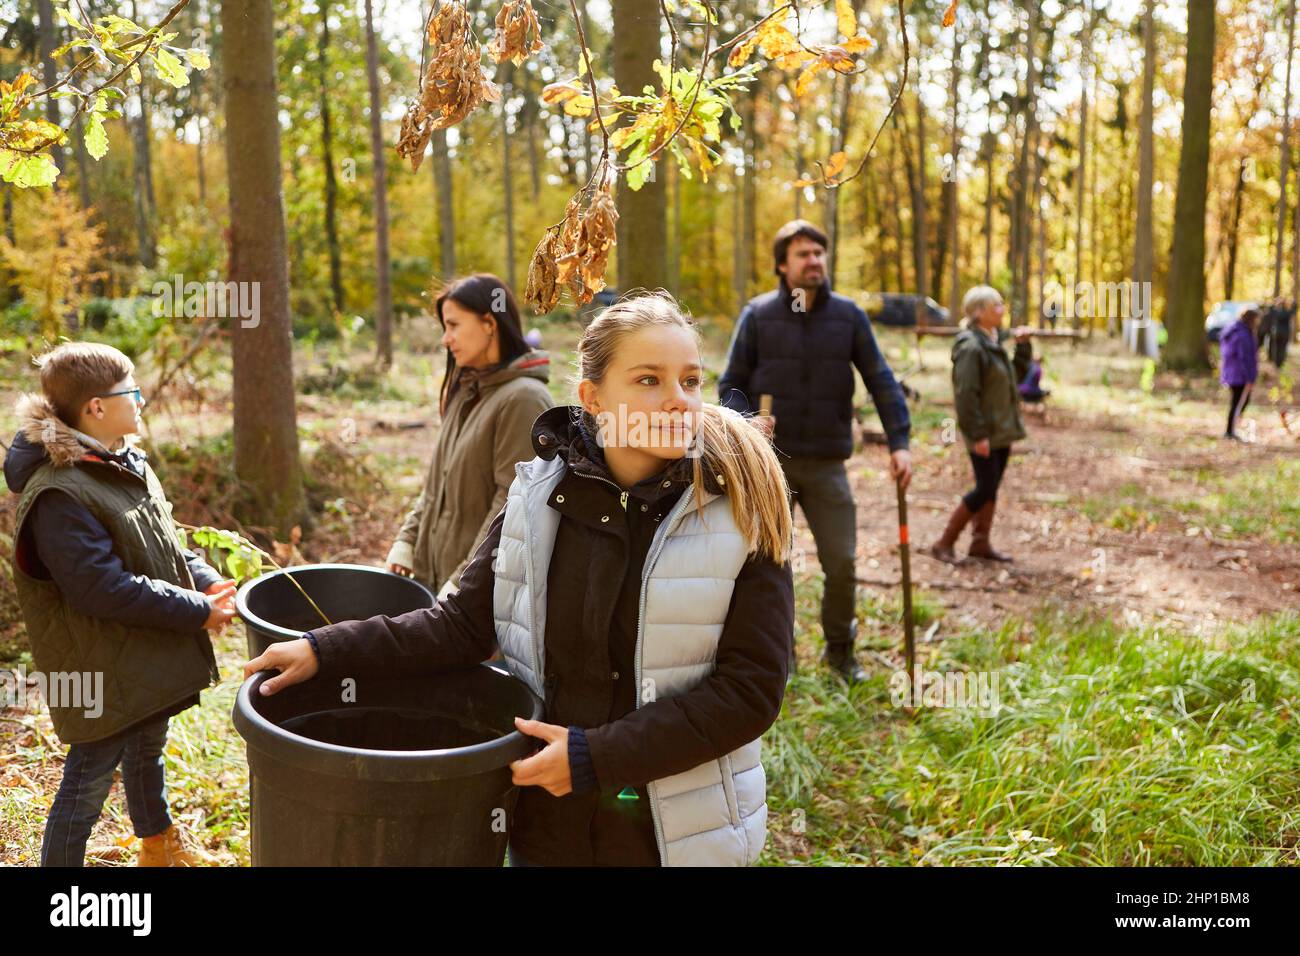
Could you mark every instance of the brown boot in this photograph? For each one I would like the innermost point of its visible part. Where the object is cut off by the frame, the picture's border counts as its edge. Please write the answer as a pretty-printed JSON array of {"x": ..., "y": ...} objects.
[
  {"x": 168, "y": 849},
  {"x": 979, "y": 544},
  {"x": 942, "y": 549}
]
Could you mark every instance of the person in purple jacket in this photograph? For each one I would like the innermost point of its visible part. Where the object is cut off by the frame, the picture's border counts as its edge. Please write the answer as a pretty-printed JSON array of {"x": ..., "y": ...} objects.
[{"x": 1238, "y": 364}]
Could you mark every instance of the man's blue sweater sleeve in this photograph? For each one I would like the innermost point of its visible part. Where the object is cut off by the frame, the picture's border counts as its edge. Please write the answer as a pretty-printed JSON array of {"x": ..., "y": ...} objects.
[
  {"x": 77, "y": 550},
  {"x": 742, "y": 357},
  {"x": 886, "y": 393}
]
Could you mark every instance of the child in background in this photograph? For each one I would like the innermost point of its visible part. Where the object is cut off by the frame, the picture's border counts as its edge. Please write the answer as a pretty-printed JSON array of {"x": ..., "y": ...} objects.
[{"x": 108, "y": 593}]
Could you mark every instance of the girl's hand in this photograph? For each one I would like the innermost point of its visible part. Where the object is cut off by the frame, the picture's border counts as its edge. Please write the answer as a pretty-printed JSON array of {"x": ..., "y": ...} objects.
[
  {"x": 549, "y": 767},
  {"x": 295, "y": 660},
  {"x": 401, "y": 569}
]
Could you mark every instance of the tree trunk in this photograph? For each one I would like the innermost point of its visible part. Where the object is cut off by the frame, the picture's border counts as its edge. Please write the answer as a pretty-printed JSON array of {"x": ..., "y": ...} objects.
[
  {"x": 507, "y": 187},
  {"x": 83, "y": 162},
  {"x": 950, "y": 197},
  {"x": 920, "y": 225},
  {"x": 265, "y": 425},
  {"x": 1238, "y": 189},
  {"x": 48, "y": 41},
  {"x": 1020, "y": 225},
  {"x": 327, "y": 158},
  {"x": 1143, "y": 236},
  {"x": 643, "y": 214},
  {"x": 896, "y": 206},
  {"x": 443, "y": 197},
  {"x": 1081, "y": 171},
  {"x": 1285, "y": 165},
  {"x": 383, "y": 277},
  {"x": 1186, "y": 298}
]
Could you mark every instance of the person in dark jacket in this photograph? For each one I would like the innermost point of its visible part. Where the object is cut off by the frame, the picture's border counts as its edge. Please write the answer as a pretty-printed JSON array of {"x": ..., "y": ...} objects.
[
  {"x": 1239, "y": 365},
  {"x": 984, "y": 385},
  {"x": 640, "y": 583},
  {"x": 799, "y": 345},
  {"x": 105, "y": 588}
]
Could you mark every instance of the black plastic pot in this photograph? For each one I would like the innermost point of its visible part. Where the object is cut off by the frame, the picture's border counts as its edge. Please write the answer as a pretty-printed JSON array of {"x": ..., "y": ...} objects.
[
  {"x": 272, "y": 609},
  {"x": 414, "y": 773}
]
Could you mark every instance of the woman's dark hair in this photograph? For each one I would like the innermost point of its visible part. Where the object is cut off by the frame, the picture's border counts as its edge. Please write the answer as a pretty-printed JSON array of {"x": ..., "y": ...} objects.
[{"x": 487, "y": 295}]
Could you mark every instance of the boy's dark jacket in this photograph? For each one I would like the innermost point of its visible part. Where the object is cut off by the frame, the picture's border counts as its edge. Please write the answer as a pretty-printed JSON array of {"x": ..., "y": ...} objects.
[
  {"x": 593, "y": 586},
  {"x": 102, "y": 579}
]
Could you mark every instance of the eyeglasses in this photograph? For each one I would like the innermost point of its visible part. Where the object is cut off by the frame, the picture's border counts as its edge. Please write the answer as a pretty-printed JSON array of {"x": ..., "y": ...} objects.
[{"x": 139, "y": 398}]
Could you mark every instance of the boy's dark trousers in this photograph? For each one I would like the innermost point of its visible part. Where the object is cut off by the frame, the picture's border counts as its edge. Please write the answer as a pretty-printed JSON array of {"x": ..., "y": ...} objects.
[
  {"x": 821, "y": 488},
  {"x": 87, "y": 779}
]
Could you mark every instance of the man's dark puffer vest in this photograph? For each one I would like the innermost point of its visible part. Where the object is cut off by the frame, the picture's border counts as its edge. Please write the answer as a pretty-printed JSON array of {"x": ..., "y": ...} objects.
[
  {"x": 805, "y": 361},
  {"x": 145, "y": 670}
]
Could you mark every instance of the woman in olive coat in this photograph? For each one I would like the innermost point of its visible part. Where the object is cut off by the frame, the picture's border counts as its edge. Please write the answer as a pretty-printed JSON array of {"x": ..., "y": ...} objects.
[{"x": 984, "y": 380}]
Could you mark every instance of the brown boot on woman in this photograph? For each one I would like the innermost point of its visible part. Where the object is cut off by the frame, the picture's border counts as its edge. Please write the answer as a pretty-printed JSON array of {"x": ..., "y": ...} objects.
[
  {"x": 943, "y": 548},
  {"x": 979, "y": 545}
]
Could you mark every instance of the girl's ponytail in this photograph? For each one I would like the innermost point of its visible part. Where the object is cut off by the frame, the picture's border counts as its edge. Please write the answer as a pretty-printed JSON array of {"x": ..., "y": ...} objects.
[{"x": 740, "y": 459}]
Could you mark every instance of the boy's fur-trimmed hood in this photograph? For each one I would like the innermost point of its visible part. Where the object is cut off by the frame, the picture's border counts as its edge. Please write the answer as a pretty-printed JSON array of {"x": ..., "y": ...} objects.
[
  {"x": 43, "y": 436},
  {"x": 42, "y": 427}
]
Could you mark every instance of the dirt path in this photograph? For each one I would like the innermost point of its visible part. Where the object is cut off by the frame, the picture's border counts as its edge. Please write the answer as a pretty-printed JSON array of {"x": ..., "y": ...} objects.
[{"x": 1159, "y": 569}]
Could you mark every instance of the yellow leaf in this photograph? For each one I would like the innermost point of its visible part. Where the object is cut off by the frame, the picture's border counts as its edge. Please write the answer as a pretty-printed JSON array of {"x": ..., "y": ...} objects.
[
  {"x": 858, "y": 44},
  {"x": 806, "y": 77},
  {"x": 950, "y": 15},
  {"x": 579, "y": 105},
  {"x": 836, "y": 163},
  {"x": 741, "y": 54},
  {"x": 845, "y": 18}
]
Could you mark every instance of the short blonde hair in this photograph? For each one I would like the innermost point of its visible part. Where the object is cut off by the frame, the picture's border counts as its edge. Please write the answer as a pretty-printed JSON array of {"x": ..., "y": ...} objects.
[
  {"x": 75, "y": 372},
  {"x": 977, "y": 298}
]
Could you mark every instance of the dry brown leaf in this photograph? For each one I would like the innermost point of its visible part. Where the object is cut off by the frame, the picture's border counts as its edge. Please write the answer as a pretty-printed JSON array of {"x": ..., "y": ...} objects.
[
  {"x": 516, "y": 23},
  {"x": 453, "y": 85},
  {"x": 575, "y": 253}
]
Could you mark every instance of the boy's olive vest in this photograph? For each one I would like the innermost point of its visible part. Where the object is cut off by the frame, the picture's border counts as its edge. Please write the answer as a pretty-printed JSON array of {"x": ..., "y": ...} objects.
[{"x": 145, "y": 670}]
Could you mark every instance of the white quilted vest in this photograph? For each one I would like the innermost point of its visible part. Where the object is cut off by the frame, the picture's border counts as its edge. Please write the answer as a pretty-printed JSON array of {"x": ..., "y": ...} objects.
[{"x": 711, "y": 815}]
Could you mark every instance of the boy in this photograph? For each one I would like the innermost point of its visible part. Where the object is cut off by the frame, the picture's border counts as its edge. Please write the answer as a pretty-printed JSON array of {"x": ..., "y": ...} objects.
[{"x": 108, "y": 595}]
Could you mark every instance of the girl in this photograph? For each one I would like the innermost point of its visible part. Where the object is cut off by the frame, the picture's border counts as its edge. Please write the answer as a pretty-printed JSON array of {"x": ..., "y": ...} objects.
[
  {"x": 988, "y": 415},
  {"x": 641, "y": 588},
  {"x": 493, "y": 389},
  {"x": 1239, "y": 365}
]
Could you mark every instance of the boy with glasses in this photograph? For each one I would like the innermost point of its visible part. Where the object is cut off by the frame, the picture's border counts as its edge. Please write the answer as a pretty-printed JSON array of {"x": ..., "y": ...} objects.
[{"x": 108, "y": 596}]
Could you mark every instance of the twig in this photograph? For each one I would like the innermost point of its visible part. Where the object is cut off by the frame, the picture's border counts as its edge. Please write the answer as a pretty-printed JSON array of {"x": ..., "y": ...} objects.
[
  {"x": 146, "y": 38},
  {"x": 287, "y": 572}
]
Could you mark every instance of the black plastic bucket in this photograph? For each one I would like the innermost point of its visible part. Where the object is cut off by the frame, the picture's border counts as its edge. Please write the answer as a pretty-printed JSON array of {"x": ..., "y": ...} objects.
[
  {"x": 414, "y": 773},
  {"x": 272, "y": 609}
]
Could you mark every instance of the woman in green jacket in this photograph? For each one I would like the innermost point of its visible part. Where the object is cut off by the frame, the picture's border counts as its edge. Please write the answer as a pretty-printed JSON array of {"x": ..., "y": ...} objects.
[
  {"x": 984, "y": 381},
  {"x": 493, "y": 390}
]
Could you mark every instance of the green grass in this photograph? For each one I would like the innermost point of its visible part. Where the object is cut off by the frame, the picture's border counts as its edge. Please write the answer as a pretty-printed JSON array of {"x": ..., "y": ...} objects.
[
  {"x": 1111, "y": 746},
  {"x": 1258, "y": 502}
]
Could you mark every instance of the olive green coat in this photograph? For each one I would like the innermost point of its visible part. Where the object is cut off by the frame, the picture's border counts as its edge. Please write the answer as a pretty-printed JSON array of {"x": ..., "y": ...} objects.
[
  {"x": 145, "y": 670},
  {"x": 984, "y": 380},
  {"x": 486, "y": 430}
]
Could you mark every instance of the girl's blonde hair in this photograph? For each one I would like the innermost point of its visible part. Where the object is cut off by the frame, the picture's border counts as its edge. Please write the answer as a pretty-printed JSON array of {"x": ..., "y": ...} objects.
[{"x": 736, "y": 455}]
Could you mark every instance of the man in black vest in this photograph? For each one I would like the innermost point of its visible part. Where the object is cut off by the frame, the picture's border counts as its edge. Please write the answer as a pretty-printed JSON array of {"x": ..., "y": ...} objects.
[{"x": 799, "y": 345}]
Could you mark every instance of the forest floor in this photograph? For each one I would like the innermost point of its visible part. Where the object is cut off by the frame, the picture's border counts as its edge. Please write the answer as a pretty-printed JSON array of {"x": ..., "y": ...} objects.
[{"x": 1132, "y": 523}]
